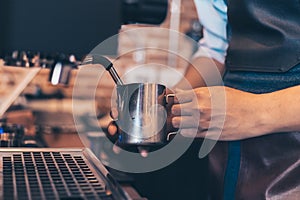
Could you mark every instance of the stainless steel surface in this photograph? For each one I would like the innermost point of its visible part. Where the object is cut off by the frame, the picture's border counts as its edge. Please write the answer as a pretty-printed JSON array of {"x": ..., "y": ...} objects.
[
  {"x": 54, "y": 173},
  {"x": 142, "y": 114}
]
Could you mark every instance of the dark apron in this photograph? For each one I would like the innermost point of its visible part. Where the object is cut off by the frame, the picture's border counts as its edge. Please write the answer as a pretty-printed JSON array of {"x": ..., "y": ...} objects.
[{"x": 265, "y": 167}]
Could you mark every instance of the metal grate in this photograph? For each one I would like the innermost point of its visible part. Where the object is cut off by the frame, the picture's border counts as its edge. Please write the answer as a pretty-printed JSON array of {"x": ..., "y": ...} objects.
[{"x": 50, "y": 175}]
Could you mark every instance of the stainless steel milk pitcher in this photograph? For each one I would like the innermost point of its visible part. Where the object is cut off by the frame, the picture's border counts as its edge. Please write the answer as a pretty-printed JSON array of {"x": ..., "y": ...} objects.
[{"x": 142, "y": 114}]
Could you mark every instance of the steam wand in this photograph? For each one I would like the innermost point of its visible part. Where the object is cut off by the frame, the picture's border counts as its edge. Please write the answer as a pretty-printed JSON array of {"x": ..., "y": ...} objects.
[{"x": 97, "y": 59}]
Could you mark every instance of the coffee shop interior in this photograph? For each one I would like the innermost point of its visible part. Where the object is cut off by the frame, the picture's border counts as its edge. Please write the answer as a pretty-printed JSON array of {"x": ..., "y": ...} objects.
[{"x": 56, "y": 99}]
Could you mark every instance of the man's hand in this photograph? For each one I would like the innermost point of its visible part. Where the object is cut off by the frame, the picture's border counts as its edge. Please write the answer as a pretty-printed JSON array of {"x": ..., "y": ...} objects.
[{"x": 239, "y": 117}]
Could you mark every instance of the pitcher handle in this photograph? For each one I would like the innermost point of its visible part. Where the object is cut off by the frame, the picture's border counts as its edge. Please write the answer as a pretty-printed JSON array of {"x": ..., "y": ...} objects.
[
  {"x": 170, "y": 134},
  {"x": 167, "y": 101},
  {"x": 167, "y": 97}
]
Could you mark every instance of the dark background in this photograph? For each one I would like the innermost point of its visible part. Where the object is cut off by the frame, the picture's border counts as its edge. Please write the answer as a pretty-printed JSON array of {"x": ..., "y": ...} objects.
[
  {"x": 63, "y": 26},
  {"x": 71, "y": 26}
]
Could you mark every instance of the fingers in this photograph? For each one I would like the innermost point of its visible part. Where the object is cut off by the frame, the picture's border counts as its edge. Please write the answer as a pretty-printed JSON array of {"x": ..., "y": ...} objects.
[
  {"x": 211, "y": 134},
  {"x": 114, "y": 113},
  {"x": 184, "y": 109},
  {"x": 195, "y": 133},
  {"x": 112, "y": 128},
  {"x": 183, "y": 96},
  {"x": 183, "y": 102},
  {"x": 191, "y": 132},
  {"x": 184, "y": 122}
]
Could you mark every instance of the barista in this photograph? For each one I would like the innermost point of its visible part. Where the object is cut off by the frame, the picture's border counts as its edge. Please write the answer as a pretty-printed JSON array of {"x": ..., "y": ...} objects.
[{"x": 256, "y": 45}]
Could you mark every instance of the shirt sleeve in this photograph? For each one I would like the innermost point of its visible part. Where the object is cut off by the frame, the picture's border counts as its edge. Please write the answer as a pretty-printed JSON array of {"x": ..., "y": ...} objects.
[{"x": 213, "y": 17}]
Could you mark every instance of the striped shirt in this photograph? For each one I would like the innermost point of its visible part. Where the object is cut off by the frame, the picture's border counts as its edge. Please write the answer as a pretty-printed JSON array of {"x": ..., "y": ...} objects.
[{"x": 213, "y": 17}]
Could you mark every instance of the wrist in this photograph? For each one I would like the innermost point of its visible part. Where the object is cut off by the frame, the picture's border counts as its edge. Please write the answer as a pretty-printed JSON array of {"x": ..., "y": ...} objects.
[{"x": 266, "y": 113}]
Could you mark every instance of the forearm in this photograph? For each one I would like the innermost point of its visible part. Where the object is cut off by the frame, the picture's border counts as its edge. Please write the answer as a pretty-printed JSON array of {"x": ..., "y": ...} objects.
[
  {"x": 245, "y": 115},
  {"x": 282, "y": 108},
  {"x": 201, "y": 72}
]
